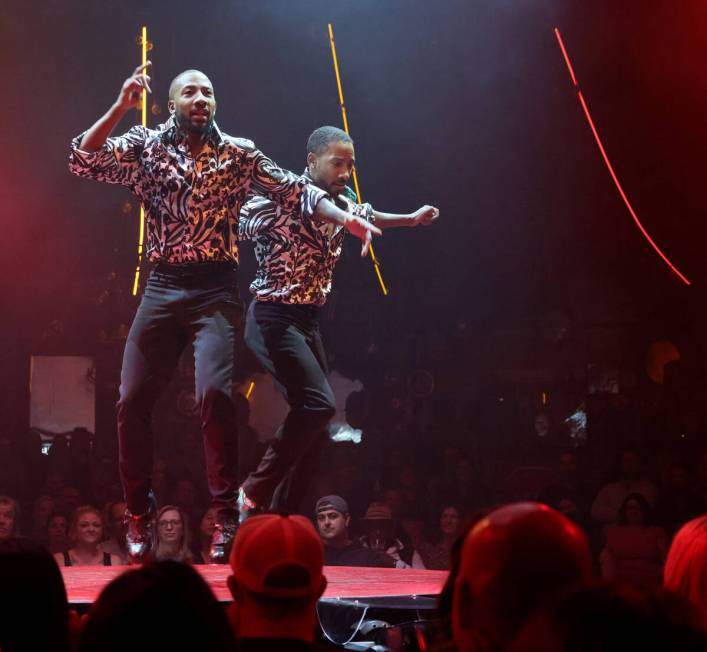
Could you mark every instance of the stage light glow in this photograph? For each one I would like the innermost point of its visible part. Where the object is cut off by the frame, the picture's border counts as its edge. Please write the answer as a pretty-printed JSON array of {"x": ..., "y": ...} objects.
[
  {"x": 250, "y": 390},
  {"x": 136, "y": 282},
  {"x": 604, "y": 155},
  {"x": 374, "y": 260}
]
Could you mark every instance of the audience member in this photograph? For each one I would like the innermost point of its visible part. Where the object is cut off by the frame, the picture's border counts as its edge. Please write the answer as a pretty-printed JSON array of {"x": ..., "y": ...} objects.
[
  {"x": 9, "y": 517},
  {"x": 277, "y": 579},
  {"x": 512, "y": 559},
  {"x": 605, "y": 508},
  {"x": 173, "y": 536},
  {"x": 41, "y": 509},
  {"x": 678, "y": 502},
  {"x": 436, "y": 553},
  {"x": 114, "y": 518},
  {"x": 204, "y": 536},
  {"x": 57, "y": 533},
  {"x": 611, "y": 619},
  {"x": 333, "y": 519},
  {"x": 379, "y": 533},
  {"x": 86, "y": 534},
  {"x": 34, "y": 611},
  {"x": 634, "y": 550},
  {"x": 686, "y": 566},
  {"x": 162, "y": 605}
]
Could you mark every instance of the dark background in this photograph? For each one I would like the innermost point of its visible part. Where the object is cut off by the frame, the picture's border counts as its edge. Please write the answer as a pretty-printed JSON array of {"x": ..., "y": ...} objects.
[{"x": 466, "y": 105}]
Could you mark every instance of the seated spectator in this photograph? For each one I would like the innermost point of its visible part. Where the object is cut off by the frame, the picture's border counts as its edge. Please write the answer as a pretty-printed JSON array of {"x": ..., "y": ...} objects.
[
  {"x": 162, "y": 605},
  {"x": 333, "y": 520},
  {"x": 634, "y": 550},
  {"x": 511, "y": 560},
  {"x": 686, "y": 565},
  {"x": 677, "y": 502},
  {"x": 114, "y": 517},
  {"x": 201, "y": 554},
  {"x": 9, "y": 517},
  {"x": 173, "y": 536},
  {"x": 41, "y": 509},
  {"x": 86, "y": 534},
  {"x": 610, "y": 619},
  {"x": 34, "y": 611},
  {"x": 606, "y": 505},
  {"x": 379, "y": 534},
  {"x": 436, "y": 553},
  {"x": 57, "y": 533},
  {"x": 276, "y": 583},
  {"x": 69, "y": 499}
]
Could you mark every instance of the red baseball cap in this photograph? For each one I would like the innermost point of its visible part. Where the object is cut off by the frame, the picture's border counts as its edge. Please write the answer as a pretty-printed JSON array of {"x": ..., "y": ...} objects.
[{"x": 279, "y": 556}]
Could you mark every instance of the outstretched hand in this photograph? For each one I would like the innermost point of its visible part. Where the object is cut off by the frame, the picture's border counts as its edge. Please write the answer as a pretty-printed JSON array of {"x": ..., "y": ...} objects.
[
  {"x": 363, "y": 230},
  {"x": 131, "y": 93},
  {"x": 425, "y": 216}
]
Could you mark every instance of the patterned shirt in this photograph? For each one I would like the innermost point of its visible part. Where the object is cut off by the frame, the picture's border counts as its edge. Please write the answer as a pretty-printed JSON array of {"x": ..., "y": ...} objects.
[
  {"x": 296, "y": 255},
  {"x": 191, "y": 204}
]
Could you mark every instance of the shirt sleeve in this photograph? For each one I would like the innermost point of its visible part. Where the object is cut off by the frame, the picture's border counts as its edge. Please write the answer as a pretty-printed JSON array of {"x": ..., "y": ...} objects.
[
  {"x": 364, "y": 211},
  {"x": 258, "y": 215},
  {"x": 285, "y": 188},
  {"x": 117, "y": 161}
]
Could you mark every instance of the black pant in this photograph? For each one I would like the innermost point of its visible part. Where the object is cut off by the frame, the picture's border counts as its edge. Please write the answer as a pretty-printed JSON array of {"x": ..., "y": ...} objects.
[
  {"x": 286, "y": 340},
  {"x": 196, "y": 303}
]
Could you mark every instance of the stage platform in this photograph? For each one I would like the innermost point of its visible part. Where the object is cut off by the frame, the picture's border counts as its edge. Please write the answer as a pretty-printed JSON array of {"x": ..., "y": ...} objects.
[{"x": 83, "y": 584}]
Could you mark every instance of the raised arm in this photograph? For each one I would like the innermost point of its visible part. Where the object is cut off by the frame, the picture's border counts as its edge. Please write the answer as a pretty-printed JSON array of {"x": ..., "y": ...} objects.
[{"x": 129, "y": 98}]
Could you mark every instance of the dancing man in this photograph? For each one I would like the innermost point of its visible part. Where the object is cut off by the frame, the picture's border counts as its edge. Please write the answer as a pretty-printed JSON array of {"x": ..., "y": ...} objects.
[
  {"x": 191, "y": 178},
  {"x": 296, "y": 255}
]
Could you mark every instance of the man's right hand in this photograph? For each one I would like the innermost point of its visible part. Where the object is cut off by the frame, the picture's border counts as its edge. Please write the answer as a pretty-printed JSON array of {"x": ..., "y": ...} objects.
[{"x": 131, "y": 93}]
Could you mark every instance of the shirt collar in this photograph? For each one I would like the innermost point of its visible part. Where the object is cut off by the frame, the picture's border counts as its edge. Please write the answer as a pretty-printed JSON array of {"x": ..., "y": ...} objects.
[{"x": 171, "y": 133}]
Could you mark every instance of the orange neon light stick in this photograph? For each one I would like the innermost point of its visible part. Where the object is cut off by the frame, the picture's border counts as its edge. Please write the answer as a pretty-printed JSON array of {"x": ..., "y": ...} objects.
[
  {"x": 376, "y": 266},
  {"x": 136, "y": 282},
  {"x": 640, "y": 226}
]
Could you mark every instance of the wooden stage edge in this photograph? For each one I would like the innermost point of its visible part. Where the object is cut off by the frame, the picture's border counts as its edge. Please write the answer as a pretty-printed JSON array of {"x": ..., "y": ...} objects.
[{"x": 84, "y": 583}]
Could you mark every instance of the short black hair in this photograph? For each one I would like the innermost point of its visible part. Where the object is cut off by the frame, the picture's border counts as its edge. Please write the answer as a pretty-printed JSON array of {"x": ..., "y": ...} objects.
[
  {"x": 175, "y": 82},
  {"x": 320, "y": 139}
]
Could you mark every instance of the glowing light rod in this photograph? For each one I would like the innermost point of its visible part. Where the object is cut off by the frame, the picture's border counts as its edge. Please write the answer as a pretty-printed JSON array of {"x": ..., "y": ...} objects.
[
  {"x": 376, "y": 266},
  {"x": 640, "y": 226},
  {"x": 136, "y": 282}
]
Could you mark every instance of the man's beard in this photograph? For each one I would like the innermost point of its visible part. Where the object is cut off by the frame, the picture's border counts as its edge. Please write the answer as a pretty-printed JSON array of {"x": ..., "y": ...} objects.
[{"x": 185, "y": 124}]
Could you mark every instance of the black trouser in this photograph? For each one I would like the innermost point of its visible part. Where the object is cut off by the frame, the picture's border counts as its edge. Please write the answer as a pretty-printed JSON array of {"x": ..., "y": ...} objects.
[
  {"x": 286, "y": 340},
  {"x": 196, "y": 303}
]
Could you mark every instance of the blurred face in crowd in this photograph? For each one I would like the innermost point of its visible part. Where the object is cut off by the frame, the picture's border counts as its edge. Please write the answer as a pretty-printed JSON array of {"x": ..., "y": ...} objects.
[
  {"x": 568, "y": 464},
  {"x": 333, "y": 526},
  {"x": 7, "y": 520},
  {"x": 69, "y": 499},
  {"x": 634, "y": 513},
  {"x": 185, "y": 494},
  {"x": 171, "y": 527},
  {"x": 43, "y": 506},
  {"x": 89, "y": 529},
  {"x": 57, "y": 528},
  {"x": 208, "y": 522},
  {"x": 450, "y": 522}
]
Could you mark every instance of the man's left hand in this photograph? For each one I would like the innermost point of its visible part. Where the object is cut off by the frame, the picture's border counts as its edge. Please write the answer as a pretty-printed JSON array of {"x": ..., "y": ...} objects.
[{"x": 425, "y": 216}]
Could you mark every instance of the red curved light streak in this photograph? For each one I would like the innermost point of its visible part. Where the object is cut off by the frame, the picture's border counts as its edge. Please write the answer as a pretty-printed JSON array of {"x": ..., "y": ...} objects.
[{"x": 640, "y": 226}]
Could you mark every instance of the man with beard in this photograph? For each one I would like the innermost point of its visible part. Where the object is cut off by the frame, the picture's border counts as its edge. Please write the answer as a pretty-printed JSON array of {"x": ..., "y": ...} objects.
[
  {"x": 296, "y": 256},
  {"x": 190, "y": 177}
]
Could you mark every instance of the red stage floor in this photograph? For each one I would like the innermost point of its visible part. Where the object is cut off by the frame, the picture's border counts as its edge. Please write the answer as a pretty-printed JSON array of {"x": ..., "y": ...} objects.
[{"x": 83, "y": 584}]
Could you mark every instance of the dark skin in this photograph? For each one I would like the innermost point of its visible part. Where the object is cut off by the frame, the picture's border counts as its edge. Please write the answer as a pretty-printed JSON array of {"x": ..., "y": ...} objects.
[{"x": 193, "y": 104}]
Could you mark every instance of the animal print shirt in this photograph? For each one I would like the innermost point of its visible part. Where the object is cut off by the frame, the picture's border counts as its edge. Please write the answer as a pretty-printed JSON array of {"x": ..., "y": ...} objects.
[
  {"x": 296, "y": 255},
  {"x": 192, "y": 204}
]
